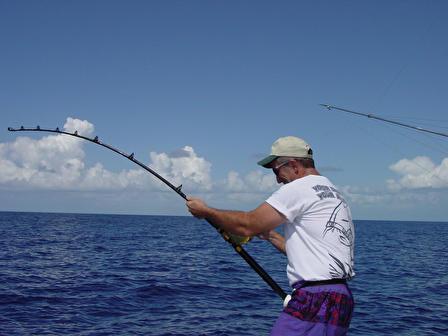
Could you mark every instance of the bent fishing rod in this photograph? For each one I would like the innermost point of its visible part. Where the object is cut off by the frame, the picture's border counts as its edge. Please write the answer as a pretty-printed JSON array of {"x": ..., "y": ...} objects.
[
  {"x": 228, "y": 238},
  {"x": 330, "y": 107}
]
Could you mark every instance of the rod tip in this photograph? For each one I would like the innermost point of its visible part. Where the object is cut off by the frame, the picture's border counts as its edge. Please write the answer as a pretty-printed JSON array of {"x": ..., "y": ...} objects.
[{"x": 328, "y": 107}]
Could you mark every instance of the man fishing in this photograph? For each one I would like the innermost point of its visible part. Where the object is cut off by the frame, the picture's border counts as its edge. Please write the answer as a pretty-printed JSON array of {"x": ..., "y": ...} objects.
[{"x": 318, "y": 242}]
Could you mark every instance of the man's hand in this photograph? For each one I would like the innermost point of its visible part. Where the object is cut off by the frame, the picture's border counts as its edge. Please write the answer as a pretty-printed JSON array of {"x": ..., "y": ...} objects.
[{"x": 197, "y": 207}]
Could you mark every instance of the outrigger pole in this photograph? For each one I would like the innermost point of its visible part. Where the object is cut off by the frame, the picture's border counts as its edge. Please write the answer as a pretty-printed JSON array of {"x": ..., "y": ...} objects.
[
  {"x": 330, "y": 107},
  {"x": 236, "y": 246}
]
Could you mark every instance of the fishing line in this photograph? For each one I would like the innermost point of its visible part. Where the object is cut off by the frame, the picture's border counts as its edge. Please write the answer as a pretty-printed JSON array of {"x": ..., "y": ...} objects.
[
  {"x": 418, "y": 41},
  {"x": 437, "y": 147},
  {"x": 423, "y": 168},
  {"x": 234, "y": 241},
  {"x": 429, "y": 133},
  {"x": 372, "y": 116},
  {"x": 436, "y": 121},
  {"x": 434, "y": 124},
  {"x": 405, "y": 134}
]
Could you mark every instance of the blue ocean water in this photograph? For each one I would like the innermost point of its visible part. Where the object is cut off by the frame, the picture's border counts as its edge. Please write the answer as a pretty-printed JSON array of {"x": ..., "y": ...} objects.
[{"x": 72, "y": 274}]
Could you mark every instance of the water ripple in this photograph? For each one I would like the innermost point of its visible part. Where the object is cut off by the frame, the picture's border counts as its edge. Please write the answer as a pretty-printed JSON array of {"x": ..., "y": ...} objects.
[{"x": 65, "y": 274}]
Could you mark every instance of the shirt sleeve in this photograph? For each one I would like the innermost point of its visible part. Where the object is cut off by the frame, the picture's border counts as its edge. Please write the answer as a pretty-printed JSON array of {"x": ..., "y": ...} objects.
[{"x": 279, "y": 200}]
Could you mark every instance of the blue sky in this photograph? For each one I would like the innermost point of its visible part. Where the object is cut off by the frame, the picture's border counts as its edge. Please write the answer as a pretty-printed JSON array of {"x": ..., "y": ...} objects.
[{"x": 201, "y": 89}]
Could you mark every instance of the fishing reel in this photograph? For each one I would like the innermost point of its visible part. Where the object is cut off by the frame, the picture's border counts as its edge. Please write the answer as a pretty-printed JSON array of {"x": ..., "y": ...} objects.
[{"x": 239, "y": 240}]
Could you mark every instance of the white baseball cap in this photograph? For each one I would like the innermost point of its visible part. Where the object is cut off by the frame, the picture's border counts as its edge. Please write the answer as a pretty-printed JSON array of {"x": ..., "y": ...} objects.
[{"x": 289, "y": 146}]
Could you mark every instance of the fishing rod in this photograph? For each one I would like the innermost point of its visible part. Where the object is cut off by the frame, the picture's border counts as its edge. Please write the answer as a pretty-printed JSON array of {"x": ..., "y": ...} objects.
[
  {"x": 329, "y": 107},
  {"x": 227, "y": 237}
]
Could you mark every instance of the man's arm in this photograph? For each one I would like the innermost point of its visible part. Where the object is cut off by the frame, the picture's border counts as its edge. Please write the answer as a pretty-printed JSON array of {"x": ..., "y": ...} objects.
[
  {"x": 262, "y": 219},
  {"x": 276, "y": 239}
]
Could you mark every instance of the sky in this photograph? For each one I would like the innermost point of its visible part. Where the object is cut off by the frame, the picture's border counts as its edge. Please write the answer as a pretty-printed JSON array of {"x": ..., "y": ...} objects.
[{"x": 199, "y": 90}]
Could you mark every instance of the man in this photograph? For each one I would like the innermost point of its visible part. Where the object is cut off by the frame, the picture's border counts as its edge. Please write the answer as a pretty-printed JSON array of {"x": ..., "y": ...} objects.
[{"x": 318, "y": 242}]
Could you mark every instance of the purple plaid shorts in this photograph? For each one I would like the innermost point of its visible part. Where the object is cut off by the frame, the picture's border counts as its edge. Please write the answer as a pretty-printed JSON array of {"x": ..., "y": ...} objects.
[{"x": 316, "y": 310}]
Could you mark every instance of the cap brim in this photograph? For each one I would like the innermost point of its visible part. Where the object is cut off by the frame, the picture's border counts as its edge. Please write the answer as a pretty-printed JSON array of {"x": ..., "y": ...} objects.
[{"x": 267, "y": 161}]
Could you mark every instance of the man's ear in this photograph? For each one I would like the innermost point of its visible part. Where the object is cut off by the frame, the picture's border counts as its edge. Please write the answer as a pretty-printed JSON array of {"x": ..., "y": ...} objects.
[{"x": 296, "y": 166}]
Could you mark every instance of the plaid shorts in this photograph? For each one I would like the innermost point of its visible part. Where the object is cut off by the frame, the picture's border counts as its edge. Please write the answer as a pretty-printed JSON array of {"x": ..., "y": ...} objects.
[{"x": 316, "y": 310}]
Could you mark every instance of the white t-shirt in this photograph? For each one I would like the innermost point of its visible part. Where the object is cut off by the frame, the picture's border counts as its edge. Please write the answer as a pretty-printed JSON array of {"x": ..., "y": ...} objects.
[{"x": 319, "y": 230}]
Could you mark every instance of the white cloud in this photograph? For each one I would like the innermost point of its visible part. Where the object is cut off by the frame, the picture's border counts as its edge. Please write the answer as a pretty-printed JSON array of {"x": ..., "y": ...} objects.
[
  {"x": 251, "y": 187},
  {"x": 418, "y": 173},
  {"x": 363, "y": 195},
  {"x": 392, "y": 201},
  {"x": 419, "y": 187},
  {"x": 253, "y": 182},
  {"x": 183, "y": 167},
  {"x": 82, "y": 126},
  {"x": 54, "y": 160},
  {"x": 57, "y": 162}
]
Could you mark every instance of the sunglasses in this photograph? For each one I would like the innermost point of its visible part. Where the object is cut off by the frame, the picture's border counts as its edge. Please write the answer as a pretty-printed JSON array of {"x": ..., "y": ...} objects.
[{"x": 276, "y": 169}]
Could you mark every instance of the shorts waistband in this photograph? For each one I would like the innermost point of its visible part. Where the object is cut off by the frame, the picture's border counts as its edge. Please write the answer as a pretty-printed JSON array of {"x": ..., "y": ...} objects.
[{"x": 302, "y": 284}]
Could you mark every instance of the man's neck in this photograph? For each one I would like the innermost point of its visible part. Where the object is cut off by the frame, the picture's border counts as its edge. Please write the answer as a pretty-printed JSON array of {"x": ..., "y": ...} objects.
[{"x": 310, "y": 171}]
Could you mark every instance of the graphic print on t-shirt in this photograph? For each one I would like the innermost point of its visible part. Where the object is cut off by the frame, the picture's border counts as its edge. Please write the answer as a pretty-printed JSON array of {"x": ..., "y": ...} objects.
[
  {"x": 339, "y": 223},
  {"x": 343, "y": 227}
]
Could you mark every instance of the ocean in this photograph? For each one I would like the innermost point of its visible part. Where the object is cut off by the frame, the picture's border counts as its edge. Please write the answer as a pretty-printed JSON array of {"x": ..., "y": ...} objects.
[{"x": 82, "y": 274}]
